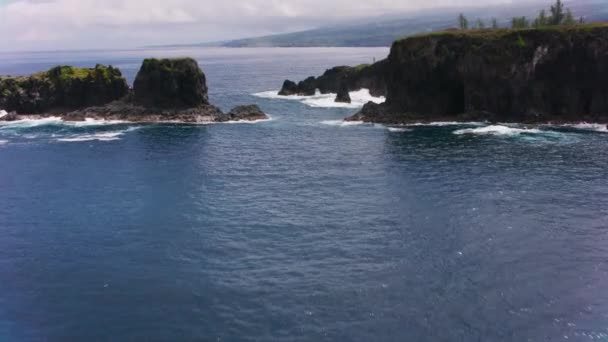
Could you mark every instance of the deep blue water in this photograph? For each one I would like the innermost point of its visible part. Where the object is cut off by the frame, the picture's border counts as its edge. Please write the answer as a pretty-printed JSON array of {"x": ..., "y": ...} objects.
[{"x": 299, "y": 228}]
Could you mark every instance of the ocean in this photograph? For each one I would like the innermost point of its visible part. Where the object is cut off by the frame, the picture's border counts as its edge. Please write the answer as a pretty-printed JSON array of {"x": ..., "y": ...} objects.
[{"x": 298, "y": 228}]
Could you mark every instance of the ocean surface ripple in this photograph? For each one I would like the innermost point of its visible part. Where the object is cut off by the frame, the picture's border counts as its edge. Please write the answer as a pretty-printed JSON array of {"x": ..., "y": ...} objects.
[{"x": 301, "y": 228}]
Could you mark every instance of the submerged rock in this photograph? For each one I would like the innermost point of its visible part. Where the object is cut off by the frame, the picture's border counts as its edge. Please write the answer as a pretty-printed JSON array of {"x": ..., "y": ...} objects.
[
  {"x": 552, "y": 74},
  {"x": 62, "y": 88}
]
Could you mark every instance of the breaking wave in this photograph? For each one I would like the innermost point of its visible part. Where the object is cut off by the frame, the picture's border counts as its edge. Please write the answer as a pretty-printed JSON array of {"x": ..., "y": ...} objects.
[
  {"x": 358, "y": 99},
  {"x": 398, "y": 129},
  {"x": 56, "y": 121},
  {"x": 603, "y": 128},
  {"x": 101, "y": 136},
  {"x": 497, "y": 130},
  {"x": 342, "y": 123}
]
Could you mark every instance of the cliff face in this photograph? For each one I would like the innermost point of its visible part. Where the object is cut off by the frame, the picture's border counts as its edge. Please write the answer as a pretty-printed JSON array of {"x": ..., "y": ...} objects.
[
  {"x": 556, "y": 74},
  {"x": 170, "y": 83},
  {"x": 61, "y": 88},
  {"x": 371, "y": 77}
]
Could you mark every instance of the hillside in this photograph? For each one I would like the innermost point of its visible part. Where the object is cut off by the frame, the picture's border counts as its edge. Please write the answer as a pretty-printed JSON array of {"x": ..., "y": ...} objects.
[{"x": 384, "y": 30}]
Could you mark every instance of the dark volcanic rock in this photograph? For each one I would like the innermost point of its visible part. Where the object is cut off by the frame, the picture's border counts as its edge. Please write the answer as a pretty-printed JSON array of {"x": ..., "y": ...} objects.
[
  {"x": 367, "y": 76},
  {"x": 246, "y": 113},
  {"x": 554, "y": 74},
  {"x": 129, "y": 111},
  {"x": 289, "y": 88},
  {"x": 343, "y": 95},
  {"x": 168, "y": 90},
  {"x": 170, "y": 83},
  {"x": 62, "y": 88}
]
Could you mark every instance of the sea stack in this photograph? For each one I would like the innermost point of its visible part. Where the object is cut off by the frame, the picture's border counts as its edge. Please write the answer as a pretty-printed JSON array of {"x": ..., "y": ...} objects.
[
  {"x": 343, "y": 95},
  {"x": 170, "y": 83}
]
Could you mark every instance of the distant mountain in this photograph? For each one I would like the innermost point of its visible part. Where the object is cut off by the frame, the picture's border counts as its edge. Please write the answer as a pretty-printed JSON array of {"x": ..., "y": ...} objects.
[{"x": 382, "y": 31}]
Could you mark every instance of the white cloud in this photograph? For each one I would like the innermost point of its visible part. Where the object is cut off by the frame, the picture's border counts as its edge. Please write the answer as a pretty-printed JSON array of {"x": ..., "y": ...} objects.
[{"x": 102, "y": 23}]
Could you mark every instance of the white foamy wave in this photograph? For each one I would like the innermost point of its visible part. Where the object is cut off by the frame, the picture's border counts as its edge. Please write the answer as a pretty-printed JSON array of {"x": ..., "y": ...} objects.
[
  {"x": 398, "y": 129},
  {"x": 342, "y": 123},
  {"x": 26, "y": 123},
  {"x": 590, "y": 127},
  {"x": 246, "y": 121},
  {"x": 101, "y": 136},
  {"x": 53, "y": 120},
  {"x": 447, "y": 123},
  {"x": 497, "y": 130},
  {"x": 3, "y": 113},
  {"x": 93, "y": 122},
  {"x": 3, "y": 142},
  {"x": 358, "y": 99}
]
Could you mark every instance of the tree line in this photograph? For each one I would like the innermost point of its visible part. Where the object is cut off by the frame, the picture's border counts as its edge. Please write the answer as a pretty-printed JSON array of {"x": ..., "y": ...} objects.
[{"x": 558, "y": 15}]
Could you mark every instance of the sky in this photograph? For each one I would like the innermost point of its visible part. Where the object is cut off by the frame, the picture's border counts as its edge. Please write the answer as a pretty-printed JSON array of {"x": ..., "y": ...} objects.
[{"x": 69, "y": 24}]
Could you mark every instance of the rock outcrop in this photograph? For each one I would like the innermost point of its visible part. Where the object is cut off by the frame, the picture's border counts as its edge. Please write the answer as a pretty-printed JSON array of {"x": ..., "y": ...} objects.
[
  {"x": 343, "y": 95},
  {"x": 532, "y": 76},
  {"x": 170, "y": 83},
  {"x": 62, "y": 88},
  {"x": 371, "y": 77},
  {"x": 165, "y": 90}
]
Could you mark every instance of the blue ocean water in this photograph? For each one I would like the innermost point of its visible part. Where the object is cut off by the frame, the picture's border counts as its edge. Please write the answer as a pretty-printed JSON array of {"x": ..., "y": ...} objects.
[{"x": 300, "y": 228}]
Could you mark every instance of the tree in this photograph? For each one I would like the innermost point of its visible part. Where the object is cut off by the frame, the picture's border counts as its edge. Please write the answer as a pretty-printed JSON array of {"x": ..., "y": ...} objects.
[
  {"x": 569, "y": 19},
  {"x": 557, "y": 13},
  {"x": 481, "y": 24},
  {"x": 541, "y": 20},
  {"x": 494, "y": 23},
  {"x": 463, "y": 22},
  {"x": 520, "y": 23}
]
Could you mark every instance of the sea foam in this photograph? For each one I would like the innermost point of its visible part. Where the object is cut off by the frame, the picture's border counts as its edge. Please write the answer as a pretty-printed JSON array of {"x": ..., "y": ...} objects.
[
  {"x": 101, "y": 136},
  {"x": 497, "y": 130},
  {"x": 589, "y": 127},
  {"x": 342, "y": 123},
  {"x": 358, "y": 99}
]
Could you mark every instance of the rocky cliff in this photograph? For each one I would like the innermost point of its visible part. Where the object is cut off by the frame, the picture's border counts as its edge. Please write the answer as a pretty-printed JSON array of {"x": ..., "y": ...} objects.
[
  {"x": 62, "y": 88},
  {"x": 553, "y": 74},
  {"x": 164, "y": 90},
  {"x": 371, "y": 77}
]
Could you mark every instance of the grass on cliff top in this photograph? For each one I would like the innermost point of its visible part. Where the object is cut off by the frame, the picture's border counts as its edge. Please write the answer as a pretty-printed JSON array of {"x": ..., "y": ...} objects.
[
  {"x": 167, "y": 63},
  {"x": 501, "y": 32},
  {"x": 69, "y": 73}
]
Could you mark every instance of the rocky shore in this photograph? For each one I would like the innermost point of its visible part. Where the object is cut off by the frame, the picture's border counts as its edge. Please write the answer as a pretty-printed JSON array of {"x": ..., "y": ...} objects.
[
  {"x": 341, "y": 79},
  {"x": 528, "y": 76},
  {"x": 165, "y": 90}
]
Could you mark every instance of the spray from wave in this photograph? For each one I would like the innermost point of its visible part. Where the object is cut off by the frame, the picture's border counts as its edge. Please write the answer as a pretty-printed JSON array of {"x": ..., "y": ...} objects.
[{"x": 358, "y": 99}]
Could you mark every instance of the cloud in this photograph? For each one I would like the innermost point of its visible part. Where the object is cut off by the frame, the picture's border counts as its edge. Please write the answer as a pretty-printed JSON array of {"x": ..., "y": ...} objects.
[{"x": 128, "y": 23}]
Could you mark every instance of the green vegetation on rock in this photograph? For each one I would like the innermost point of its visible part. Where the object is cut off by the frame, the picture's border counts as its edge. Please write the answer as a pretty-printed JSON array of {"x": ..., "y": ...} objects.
[{"x": 62, "y": 88}]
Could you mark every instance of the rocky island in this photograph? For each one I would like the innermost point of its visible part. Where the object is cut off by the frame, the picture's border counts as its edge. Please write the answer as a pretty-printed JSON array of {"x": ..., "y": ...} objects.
[
  {"x": 165, "y": 90},
  {"x": 551, "y": 74}
]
